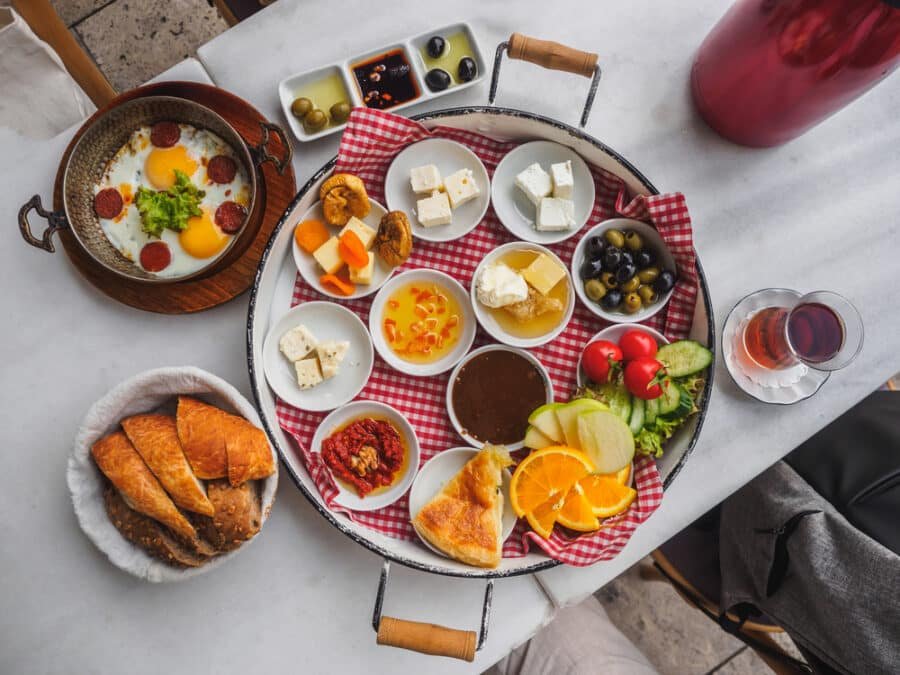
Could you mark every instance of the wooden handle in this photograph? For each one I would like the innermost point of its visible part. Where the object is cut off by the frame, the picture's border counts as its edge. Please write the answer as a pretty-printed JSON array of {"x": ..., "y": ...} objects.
[
  {"x": 427, "y": 638},
  {"x": 551, "y": 55}
]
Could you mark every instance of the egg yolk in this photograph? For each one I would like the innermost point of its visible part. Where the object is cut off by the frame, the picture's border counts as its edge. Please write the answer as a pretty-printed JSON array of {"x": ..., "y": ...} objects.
[
  {"x": 162, "y": 162},
  {"x": 202, "y": 238}
]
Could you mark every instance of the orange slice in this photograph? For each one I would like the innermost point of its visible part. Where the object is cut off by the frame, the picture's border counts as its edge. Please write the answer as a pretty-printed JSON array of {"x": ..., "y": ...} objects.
[
  {"x": 546, "y": 475},
  {"x": 606, "y": 494},
  {"x": 576, "y": 512},
  {"x": 543, "y": 518}
]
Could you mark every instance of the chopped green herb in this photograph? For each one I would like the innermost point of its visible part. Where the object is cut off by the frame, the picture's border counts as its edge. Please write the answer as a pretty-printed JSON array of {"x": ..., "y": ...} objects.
[{"x": 168, "y": 209}]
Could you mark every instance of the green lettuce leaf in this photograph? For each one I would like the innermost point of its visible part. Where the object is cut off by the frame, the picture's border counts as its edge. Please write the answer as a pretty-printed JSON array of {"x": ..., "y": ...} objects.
[{"x": 168, "y": 209}]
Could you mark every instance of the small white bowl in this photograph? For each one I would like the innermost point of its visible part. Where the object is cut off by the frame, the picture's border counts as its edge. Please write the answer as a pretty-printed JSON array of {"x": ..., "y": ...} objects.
[
  {"x": 489, "y": 323},
  {"x": 422, "y": 276},
  {"x": 449, "y": 157},
  {"x": 664, "y": 261},
  {"x": 327, "y": 321},
  {"x": 437, "y": 472},
  {"x": 454, "y": 420},
  {"x": 613, "y": 334},
  {"x": 358, "y": 410},
  {"x": 513, "y": 208},
  {"x": 310, "y": 271}
]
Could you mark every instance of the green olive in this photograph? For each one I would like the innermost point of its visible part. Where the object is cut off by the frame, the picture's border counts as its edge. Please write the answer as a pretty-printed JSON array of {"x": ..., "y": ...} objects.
[
  {"x": 315, "y": 120},
  {"x": 648, "y": 275},
  {"x": 340, "y": 111},
  {"x": 633, "y": 241},
  {"x": 632, "y": 303},
  {"x": 609, "y": 280},
  {"x": 594, "y": 289},
  {"x": 631, "y": 285},
  {"x": 614, "y": 238},
  {"x": 301, "y": 107},
  {"x": 648, "y": 295}
]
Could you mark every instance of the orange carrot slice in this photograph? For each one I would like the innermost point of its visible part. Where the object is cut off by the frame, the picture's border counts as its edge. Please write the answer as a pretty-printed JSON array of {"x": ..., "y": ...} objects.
[
  {"x": 311, "y": 234},
  {"x": 352, "y": 250},
  {"x": 342, "y": 286}
]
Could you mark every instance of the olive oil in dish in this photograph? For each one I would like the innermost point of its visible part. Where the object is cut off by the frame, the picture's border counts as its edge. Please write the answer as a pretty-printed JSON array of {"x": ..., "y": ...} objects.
[
  {"x": 324, "y": 94},
  {"x": 539, "y": 325},
  {"x": 422, "y": 323}
]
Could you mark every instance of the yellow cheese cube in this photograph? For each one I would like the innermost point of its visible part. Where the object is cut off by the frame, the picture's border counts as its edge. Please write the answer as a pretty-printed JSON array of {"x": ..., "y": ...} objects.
[
  {"x": 544, "y": 273},
  {"x": 328, "y": 257},
  {"x": 364, "y": 274},
  {"x": 365, "y": 233}
]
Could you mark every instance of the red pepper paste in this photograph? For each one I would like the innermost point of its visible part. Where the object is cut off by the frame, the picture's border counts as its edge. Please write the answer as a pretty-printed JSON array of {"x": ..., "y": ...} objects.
[{"x": 366, "y": 453}]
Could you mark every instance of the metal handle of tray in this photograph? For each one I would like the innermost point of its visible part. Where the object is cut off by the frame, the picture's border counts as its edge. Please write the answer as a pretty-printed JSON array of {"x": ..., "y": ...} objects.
[
  {"x": 429, "y": 638},
  {"x": 551, "y": 55}
]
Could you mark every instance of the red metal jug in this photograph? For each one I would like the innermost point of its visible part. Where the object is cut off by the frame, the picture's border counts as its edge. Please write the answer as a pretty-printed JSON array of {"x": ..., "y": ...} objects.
[{"x": 771, "y": 69}]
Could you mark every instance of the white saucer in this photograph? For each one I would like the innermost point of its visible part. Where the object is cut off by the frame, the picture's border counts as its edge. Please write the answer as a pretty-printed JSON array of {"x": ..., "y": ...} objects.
[
  {"x": 790, "y": 385},
  {"x": 357, "y": 410},
  {"x": 613, "y": 334},
  {"x": 310, "y": 271},
  {"x": 326, "y": 321},
  {"x": 437, "y": 472},
  {"x": 449, "y": 157},
  {"x": 516, "y": 212}
]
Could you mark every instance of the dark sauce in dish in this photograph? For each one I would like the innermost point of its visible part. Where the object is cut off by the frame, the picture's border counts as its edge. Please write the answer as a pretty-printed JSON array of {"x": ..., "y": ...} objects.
[
  {"x": 386, "y": 80},
  {"x": 494, "y": 393}
]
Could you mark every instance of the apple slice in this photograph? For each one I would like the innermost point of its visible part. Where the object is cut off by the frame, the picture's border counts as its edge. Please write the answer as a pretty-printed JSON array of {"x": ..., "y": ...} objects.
[
  {"x": 568, "y": 418},
  {"x": 606, "y": 439},
  {"x": 535, "y": 440},
  {"x": 544, "y": 420}
]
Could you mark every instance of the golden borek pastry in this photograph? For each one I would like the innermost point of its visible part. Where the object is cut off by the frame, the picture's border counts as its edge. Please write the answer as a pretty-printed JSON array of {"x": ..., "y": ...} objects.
[
  {"x": 465, "y": 519},
  {"x": 533, "y": 306},
  {"x": 343, "y": 196},
  {"x": 394, "y": 240}
]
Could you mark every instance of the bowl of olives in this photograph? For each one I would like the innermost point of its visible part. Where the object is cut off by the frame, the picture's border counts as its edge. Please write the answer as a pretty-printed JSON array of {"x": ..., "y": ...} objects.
[{"x": 623, "y": 271}]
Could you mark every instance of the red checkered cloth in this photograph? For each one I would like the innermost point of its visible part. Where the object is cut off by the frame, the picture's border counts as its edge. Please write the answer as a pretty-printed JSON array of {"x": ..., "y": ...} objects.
[{"x": 370, "y": 142}]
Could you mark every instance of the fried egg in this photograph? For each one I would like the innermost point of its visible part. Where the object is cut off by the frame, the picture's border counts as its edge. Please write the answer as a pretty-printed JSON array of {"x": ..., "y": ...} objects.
[{"x": 139, "y": 163}]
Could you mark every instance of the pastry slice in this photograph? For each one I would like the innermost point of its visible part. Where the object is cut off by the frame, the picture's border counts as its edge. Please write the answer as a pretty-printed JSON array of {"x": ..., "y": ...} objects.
[
  {"x": 533, "y": 306},
  {"x": 248, "y": 451},
  {"x": 201, "y": 430},
  {"x": 238, "y": 516},
  {"x": 121, "y": 463},
  {"x": 155, "y": 437},
  {"x": 465, "y": 519}
]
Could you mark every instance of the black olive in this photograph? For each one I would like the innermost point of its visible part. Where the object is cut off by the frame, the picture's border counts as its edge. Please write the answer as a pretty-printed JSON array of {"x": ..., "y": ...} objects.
[
  {"x": 664, "y": 282},
  {"x": 435, "y": 46},
  {"x": 467, "y": 69},
  {"x": 591, "y": 268},
  {"x": 594, "y": 248},
  {"x": 437, "y": 79},
  {"x": 627, "y": 258},
  {"x": 625, "y": 272},
  {"x": 644, "y": 258},
  {"x": 612, "y": 258},
  {"x": 611, "y": 300}
]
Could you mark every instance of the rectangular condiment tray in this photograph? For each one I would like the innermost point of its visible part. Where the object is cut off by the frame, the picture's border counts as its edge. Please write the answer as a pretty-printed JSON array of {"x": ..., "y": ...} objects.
[{"x": 411, "y": 49}]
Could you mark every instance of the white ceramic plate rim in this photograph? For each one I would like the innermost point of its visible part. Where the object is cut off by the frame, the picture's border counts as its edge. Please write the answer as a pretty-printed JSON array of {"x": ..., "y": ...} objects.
[
  {"x": 454, "y": 420},
  {"x": 441, "y": 232},
  {"x": 487, "y": 322},
  {"x": 355, "y": 410},
  {"x": 613, "y": 334},
  {"x": 422, "y": 369},
  {"x": 294, "y": 395},
  {"x": 510, "y": 217}
]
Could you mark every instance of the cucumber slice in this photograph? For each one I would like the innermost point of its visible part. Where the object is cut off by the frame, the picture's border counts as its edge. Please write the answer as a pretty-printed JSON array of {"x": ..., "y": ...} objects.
[
  {"x": 544, "y": 420},
  {"x": 671, "y": 394},
  {"x": 618, "y": 399},
  {"x": 535, "y": 440},
  {"x": 636, "y": 421},
  {"x": 684, "y": 357},
  {"x": 606, "y": 439},
  {"x": 567, "y": 415},
  {"x": 651, "y": 411},
  {"x": 684, "y": 406}
]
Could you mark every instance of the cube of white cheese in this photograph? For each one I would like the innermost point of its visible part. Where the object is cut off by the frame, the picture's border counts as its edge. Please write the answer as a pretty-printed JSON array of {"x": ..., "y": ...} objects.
[
  {"x": 555, "y": 215},
  {"x": 425, "y": 179},
  {"x": 365, "y": 233},
  {"x": 461, "y": 187},
  {"x": 297, "y": 343},
  {"x": 434, "y": 210},
  {"x": 563, "y": 181},
  {"x": 535, "y": 183},
  {"x": 308, "y": 373},
  {"x": 331, "y": 353},
  {"x": 328, "y": 257},
  {"x": 364, "y": 274}
]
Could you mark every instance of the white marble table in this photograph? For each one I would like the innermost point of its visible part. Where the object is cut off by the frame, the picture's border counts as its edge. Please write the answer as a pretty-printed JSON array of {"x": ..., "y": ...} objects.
[{"x": 820, "y": 212}]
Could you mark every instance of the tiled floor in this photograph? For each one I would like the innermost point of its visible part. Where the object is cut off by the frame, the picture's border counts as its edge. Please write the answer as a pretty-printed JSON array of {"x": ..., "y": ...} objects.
[{"x": 133, "y": 40}]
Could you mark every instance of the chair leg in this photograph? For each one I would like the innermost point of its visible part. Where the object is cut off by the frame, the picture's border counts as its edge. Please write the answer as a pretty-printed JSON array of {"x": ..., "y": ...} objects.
[{"x": 650, "y": 573}]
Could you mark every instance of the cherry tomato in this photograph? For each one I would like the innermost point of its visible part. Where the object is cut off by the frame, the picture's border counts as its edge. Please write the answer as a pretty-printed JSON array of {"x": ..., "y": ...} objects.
[
  {"x": 599, "y": 358},
  {"x": 642, "y": 377},
  {"x": 636, "y": 343}
]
